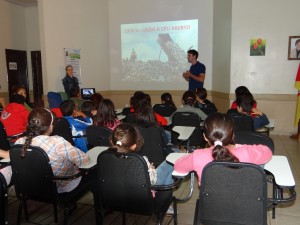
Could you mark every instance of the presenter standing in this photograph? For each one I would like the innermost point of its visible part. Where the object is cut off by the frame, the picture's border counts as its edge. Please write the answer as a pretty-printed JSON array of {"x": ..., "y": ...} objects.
[
  {"x": 70, "y": 82},
  {"x": 196, "y": 75}
]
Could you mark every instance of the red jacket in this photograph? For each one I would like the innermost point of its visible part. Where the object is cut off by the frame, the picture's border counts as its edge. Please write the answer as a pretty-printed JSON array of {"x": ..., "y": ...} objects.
[{"x": 14, "y": 118}]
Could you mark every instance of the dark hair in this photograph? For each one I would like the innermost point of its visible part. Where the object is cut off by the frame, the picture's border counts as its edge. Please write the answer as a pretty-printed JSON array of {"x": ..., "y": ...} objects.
[
  {"x": 297, "y": 41},
  {"x": 242, "y": 90},
  {"x": 141, "y": 100},
  {"x": 16, "y": 98},
  {"x": 193, "y": 52},
  {"x": 189, "y": 98},
  {"x": 96, "y": 99},
  {"x": 39, "y": 121},
  {"x": 201, "y": 93},
  {"x": 146, "y": 117},
  {"x": 68, "y": 66},
  {"x": 106, "y": 115},
  {"x": 67, "y": 107},
  {"x": 219, "y": 127},
  {"x": 17, "y": 89},
  {"x": 74, "y": 92},
  {"x": 167, "y": 98},
  {"x": 245, "y": 102},
  {"x": 87, "y": 107},
  {"x": 124, "y": 136}
]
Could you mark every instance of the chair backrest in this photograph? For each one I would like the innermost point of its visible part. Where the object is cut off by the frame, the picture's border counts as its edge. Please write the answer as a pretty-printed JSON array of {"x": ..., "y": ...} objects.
[
  {"x": 62, "y": 128},
  {"x": 164, "y": 110},
  {"x": 188, "y": 119},
  {"x": 242, "y": 122},
  {"x": 123, "y": 183},
  {"x": 232, "y": 193},
  {"x": 32, "y": 174},
  {"x": 153, "y": 144},
  {"x": 54, "y": 99},
  {"x": 254, "y": 138},
  {"x": 4, "y": 143},
  {"x": 98, "y": 136},
  {"x": 3, "y": 201}
]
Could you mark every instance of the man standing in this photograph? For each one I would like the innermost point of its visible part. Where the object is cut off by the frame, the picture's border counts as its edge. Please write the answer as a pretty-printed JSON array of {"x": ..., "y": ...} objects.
[
  {"x": 196, "y": 75},
  {"x": 70, "y": 82}
]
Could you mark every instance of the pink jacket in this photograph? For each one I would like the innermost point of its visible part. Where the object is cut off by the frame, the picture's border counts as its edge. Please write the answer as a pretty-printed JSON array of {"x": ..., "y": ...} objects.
[{"x": 257, "y": 154}]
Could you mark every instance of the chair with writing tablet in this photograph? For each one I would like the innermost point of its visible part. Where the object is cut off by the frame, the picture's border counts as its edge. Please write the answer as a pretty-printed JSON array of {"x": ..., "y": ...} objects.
[
  {"x": 123, "y": 184},
  {"x": 164, "y": 110},
  {"x": 3, "y": 201}
]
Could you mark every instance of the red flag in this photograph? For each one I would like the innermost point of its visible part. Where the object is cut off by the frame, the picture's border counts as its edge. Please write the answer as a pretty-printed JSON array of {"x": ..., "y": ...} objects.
[{"x": 297, "y": 86}]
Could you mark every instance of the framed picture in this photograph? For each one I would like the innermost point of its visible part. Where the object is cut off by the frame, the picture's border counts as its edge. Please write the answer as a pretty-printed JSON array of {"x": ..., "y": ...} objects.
[{"x": 294, "y": 48}]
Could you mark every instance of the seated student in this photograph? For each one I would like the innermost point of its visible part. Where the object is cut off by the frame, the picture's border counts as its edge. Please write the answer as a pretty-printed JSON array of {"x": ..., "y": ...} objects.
[
  {"x": 64, "y": 158},
  {"x": 14, "y": 116},
  {"x": 218, "y": 131},
  {"x": 188, "y": 100},
  {"x": 106, "y": 115},
  {"x": 78, "y": 127},
  {"x": 126, "y": 138},
  {"x": 203, "y": 103},
  {"x": 141, "y": 100},
  {"x": 75, "y": 96},
  {"x": 88, "y": 109},
  {"x": 22, "y": 91},
  {"x": 245, "y": 106},
  {"x": 240, "y": 91},
  {"x": 166, "y": 99}
]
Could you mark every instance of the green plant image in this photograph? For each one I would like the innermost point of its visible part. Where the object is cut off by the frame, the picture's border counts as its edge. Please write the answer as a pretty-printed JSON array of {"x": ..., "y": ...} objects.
[{"x": 257, "y": 47}]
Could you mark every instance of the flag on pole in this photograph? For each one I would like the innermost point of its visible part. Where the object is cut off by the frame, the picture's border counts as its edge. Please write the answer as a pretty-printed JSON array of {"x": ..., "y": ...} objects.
[{"x": 297, "y": 86}]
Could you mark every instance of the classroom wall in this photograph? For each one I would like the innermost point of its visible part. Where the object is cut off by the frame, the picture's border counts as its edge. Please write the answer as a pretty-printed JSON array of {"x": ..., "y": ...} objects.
[{"x": 76, "y": 24}]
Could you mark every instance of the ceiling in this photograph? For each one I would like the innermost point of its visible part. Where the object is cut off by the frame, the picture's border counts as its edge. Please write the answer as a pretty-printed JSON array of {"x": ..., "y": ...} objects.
[{"x": 23, "y": 2}]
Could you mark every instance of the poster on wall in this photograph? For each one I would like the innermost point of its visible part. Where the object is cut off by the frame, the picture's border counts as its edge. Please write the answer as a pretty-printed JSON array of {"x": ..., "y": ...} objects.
[
  {"x": 257, "y": 47},
  {"x": 294, "y": 48},
  {"x": 72, "y": 57}
]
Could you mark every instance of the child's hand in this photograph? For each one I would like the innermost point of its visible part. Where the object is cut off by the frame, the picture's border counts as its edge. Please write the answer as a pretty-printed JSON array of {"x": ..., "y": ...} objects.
[{"x": 257, "y": 112}]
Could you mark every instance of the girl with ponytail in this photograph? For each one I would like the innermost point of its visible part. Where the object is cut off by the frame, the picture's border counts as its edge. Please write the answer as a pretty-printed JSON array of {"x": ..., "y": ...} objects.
[
  {"x": 125, "y": 139},
  {"x": 64, "y": 158},
  {"x": 218, "y": 132}
]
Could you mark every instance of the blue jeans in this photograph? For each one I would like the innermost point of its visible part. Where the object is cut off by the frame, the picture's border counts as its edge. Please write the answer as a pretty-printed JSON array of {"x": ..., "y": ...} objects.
[{"x": 164, "y": 174}]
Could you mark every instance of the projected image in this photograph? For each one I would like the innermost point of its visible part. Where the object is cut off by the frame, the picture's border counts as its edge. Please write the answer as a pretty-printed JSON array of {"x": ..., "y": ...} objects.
[{"x": 157, "y": 51}]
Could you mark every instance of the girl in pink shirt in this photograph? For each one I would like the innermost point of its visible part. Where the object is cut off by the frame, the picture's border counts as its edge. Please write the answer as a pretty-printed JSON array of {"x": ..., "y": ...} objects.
[
  {"x": 106, "y": 115},
  {"x": 218, "y": 132}
]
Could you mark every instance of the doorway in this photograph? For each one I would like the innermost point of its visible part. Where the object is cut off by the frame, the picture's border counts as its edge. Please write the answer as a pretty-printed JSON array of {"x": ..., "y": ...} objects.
[
  {"x": 37, "y": 78},
  {"x": 17, "y": 70}
]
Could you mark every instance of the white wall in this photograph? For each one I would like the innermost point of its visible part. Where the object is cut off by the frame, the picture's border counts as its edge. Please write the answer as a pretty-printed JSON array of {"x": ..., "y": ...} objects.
[
  {"x": 221, "y": 62},
  {"x": 140, "y": 11},
  {"x": 12, "y": 35},
  {"x": 274, "y": 20},
  {"x": 78, "y": 24}
]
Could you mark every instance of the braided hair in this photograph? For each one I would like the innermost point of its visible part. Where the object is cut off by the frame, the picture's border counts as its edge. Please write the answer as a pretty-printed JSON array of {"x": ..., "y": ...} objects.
[
  {"x": 39, "y": 121},
  {"x": 124, "y": 136},
  {"x": 218, "y": 130}
]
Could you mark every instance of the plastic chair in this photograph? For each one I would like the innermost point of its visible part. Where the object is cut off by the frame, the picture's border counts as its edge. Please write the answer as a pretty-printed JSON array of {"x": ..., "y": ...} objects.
[
  {"x": 241, "y": 122},
  {"x": 188, "y": 119},
  {"x": 3, "y": 201},
  {"x": 232, "y": 193},
  {"x": 98, "y": 136},
  {"x": 164, "y": 110},
  {"x": 54, "y": 99},
  {"x": 251, "y": 138},
  {"x": 33, "y": 179},
  {"x": 153, "y": 146},
  {"x": 123, "y": 184}
]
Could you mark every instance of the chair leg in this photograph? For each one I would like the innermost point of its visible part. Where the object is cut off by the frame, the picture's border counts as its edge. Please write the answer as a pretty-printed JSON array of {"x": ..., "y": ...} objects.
[
  {"x": 123, "y": 218},
  {"x": 20, "y": 213},
  {"x": 66, "y": 216},
  {"x": 55, "y": 213},
  {"x": 25, "y": 210},
  {"x": 175, "y": 211}
]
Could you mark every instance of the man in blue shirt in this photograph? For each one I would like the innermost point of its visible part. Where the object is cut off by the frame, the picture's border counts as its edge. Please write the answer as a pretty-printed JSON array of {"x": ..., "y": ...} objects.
[{"x": 196, "y": 75}]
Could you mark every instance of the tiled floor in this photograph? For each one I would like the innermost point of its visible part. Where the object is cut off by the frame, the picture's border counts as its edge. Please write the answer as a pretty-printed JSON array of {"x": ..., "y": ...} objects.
[{"x": 84, "y": 214}]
